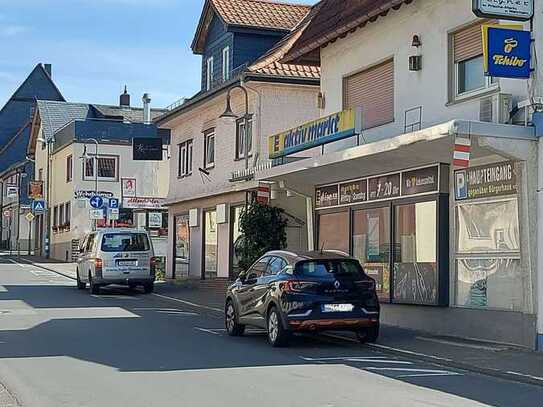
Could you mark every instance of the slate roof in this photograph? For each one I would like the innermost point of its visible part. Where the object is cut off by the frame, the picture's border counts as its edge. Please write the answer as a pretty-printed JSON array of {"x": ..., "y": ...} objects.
[
  {"x": 335, "y": 19},
  {"x": 55, "y": 115}
]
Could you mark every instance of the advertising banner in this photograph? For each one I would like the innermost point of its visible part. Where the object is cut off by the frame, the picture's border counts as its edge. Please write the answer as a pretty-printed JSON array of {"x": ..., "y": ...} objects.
[
  {"x": 486, "y": 181},
  {"x": 325, "y": 130},
  {"x": 506, "y": 51},
  {"x": 35, "y": 189},
  {"x": 147, "y": 149}
]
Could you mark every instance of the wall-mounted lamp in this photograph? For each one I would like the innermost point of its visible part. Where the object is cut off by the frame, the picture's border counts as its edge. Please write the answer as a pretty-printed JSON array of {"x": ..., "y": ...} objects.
[{"x": 416, "y": 41}]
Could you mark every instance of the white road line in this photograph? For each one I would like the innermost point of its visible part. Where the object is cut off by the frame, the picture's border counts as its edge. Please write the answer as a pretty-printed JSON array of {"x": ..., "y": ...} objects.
[
  {"x": 463, "y": 345},
  {"x": 209, "y": 331},
  {"x": 428, "y": 375},
  {"x": 188, "y": 303},
  {"x": 341, "y": 358},
  {"x": 414, "y": 370},
  {"x": 407, "y": 352},
  {"x": 525, "y": 375}
]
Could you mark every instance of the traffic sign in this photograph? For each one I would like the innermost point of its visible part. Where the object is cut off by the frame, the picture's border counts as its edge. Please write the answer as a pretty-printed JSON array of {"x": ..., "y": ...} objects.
[
  {"x": 30, "y": 217},
  {"x": 96, "y": 202},
  {"x": 96, "y": 214},
  {"x": 7, "y": 213},
  {"x": 113, "y": 203},
  {"x": 38, "y": 206},
  {"x": 12, "y": 191},
  {"x": 113, "y": 214}
]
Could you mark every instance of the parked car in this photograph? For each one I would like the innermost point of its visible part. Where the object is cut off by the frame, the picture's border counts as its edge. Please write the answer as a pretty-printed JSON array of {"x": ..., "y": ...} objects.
[
  {"x": 116, "y": 256},
  {"x": 285, "y": 292}
]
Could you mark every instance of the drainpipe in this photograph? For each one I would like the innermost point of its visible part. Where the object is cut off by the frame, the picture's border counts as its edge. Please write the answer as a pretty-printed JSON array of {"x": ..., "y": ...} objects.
[
  {"x": 259, "y": 125},
  {"x": 537, "y": 119}
]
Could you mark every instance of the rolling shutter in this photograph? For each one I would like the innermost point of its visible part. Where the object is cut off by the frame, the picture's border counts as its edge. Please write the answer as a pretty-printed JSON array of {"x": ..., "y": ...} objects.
[
  {"x": 373, "y": 91},
  {"x": 468, "y": 42}
]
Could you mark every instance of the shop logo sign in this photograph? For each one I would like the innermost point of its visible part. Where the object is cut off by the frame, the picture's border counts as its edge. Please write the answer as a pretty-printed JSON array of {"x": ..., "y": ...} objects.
[
  {"x": 507, "y": 52},
  {"x": 461, "y": 188}
]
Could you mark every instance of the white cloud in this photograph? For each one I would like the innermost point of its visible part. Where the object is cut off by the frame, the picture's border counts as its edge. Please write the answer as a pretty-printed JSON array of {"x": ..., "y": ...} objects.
[{"x": 11, "y": 30}]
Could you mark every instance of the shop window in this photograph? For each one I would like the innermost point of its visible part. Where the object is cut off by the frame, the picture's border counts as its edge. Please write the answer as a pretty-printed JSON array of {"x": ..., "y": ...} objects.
[
  {"x": 237, "y": 239},
  {"x": 55, "y": 216},
  {"x": 240, "y": 138},
  {"x": 107, "y": 168},
  {"x": 226, "y": 63},
  {"x": 182, "y": 246},
  {"x": 68, "y": 213},
  {"x": 334, "y": 231},
  {"x": 467, "y": 62},
  {"x": 415, "y": 253},
  {"x": 126, "y": 218},
  {"x": 210, "y": 244},
  {"x": 185, "y": 159},
  {"x": 69, "y": 168},
  {"x": 209, "y": 149},
  {"x": 371, "y": 246},
  {"x": 209, "y": 73},
  {"x": 371, "y": 90},
  {"x": 489, "y": 273}
]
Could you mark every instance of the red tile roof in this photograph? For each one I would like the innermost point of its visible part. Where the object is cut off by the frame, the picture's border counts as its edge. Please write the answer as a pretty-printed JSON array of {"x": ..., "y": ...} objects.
[{"x": 261, "y": 13}]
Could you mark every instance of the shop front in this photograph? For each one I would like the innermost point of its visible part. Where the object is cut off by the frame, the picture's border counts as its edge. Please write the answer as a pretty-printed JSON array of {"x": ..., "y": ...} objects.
[{"x": 452, "y": 249}]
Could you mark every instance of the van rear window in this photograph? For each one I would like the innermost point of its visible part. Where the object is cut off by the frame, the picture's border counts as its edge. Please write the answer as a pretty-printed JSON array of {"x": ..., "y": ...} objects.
[{"x": 125, "y": 242}]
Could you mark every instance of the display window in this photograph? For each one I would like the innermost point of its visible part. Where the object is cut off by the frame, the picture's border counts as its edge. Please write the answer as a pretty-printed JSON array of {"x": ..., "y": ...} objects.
[
  {"x": 182, "y": 246},
  {"x": 210, "y": 244},
  {"x": 334, "y": 231}
]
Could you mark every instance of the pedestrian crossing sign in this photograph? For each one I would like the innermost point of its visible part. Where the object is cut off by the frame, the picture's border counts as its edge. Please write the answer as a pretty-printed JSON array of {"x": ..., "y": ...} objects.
[{"x": 38, "y": 206}]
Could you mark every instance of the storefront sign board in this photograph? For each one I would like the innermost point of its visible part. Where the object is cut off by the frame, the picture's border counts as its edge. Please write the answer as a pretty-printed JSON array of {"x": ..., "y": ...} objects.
[
  {"x": 486, "y": 181},
  {"x": 147, "y": 149},
  {"x": 507, "y": 51},
  {"x": 143, "y": 203},
  {"x": 82, "y": 194},
  {"x": 384, "y": 187},
  {"x": 327, "y": 196},
  {"x": 325, "y": 130},
  {"x": 353, "y": 192},
  {"x": 521, "y": 10},
  {"x": 420, "y": 181}
]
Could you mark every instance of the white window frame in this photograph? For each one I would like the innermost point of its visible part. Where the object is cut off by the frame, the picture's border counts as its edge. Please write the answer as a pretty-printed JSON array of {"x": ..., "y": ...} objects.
[
  {"x": 95, "y": 167},
  {"x": 226, "y": 63},
  {"x": 240, "y": 152},
  {"x": 69, "y": 168},
  {"x": 489, "y": 83},
  {"x": 209, "y": 73},
  {"x": 184, "y": 168},
  {"x": 210, "y": 134}
]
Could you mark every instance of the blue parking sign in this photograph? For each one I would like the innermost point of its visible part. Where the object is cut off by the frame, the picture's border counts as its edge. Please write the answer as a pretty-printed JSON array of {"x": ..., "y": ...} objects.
[{"x": 113, "y": 203}]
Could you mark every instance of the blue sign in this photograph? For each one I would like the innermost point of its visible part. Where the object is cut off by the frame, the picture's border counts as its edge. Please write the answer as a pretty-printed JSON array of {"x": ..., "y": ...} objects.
[
  {"x": 96, "y": 202},
  {"x": 38, "y": 206},
  {"x": 507, "y": 53},
  {"x": 113, "y": 203}
]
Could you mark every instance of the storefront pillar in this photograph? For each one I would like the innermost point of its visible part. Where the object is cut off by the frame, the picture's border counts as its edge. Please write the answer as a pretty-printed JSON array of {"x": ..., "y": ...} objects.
[{"x": 538, "y": 121}]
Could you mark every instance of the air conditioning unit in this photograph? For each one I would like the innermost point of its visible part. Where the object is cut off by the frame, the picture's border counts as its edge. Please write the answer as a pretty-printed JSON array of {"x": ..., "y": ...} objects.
[{"x": 496, "y": 108}]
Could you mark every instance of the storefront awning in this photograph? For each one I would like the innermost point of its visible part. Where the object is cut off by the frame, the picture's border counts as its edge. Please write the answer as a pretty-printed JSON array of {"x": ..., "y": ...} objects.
[{"x": 427, "y": 146}]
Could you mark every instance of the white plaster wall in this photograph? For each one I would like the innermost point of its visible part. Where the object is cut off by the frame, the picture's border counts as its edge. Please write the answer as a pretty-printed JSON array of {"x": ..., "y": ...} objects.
[{"x": 391, "y": 36}]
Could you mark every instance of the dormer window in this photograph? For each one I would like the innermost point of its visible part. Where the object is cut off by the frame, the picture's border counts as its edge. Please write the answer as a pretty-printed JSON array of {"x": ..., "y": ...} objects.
[
  {"x": 226, "y": 64},
  {"x": 209, "y": 73}
]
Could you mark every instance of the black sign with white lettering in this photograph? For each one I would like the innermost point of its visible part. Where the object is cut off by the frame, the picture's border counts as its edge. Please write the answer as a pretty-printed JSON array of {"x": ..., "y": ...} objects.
[
  {"x": 486, "y": 181},
  {"x": 384, "y": 187},
  {"x": 147, "y": 149},
  {"x": 353, "y": 192},
  {"x": 327, "y": 196},
  {"x": 420, "y": 181}
]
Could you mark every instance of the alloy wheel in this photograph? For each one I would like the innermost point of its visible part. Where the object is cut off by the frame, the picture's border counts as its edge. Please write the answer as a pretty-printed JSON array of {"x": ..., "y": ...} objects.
[
  {"x": 273, "y": 326},
  {"x": 230, "y": 318}
]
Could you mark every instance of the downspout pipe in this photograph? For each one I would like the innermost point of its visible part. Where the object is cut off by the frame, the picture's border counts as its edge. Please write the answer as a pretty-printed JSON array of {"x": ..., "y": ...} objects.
[{"x": 537, "y": 120}]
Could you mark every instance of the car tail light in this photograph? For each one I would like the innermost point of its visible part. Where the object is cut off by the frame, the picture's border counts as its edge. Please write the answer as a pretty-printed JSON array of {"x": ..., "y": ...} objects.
[
  {"x": 98, "y": 265},
  {"x": 366, "y": 284},
  {"x": 297, "y": 286}
]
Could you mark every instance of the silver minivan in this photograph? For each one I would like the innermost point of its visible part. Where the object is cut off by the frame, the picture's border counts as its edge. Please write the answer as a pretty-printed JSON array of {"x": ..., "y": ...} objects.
[{"x": 116, "y": 256}]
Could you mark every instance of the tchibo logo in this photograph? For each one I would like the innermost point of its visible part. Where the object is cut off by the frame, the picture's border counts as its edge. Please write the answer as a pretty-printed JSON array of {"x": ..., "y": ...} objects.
[
  {"x": 509, "y": 45},
  {"x": 461, "y": 187}
]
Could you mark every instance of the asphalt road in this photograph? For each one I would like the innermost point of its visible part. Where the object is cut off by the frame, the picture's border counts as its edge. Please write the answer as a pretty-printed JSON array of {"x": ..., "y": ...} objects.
[{"x": 63, "y": 347}]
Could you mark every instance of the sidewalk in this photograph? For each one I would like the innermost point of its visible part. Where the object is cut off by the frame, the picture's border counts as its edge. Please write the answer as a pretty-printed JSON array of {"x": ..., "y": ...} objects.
[{"x": 504, "y": 361}]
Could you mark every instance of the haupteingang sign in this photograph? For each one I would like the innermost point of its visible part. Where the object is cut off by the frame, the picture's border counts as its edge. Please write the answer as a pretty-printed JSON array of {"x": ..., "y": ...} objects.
[{"x": 325, "y": 130}]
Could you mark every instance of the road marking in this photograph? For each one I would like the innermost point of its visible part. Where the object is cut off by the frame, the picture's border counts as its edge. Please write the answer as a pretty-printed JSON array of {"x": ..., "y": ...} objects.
[
  {"x": 209, "y": 331},
  {"x": 341, "y": 358},
  {"x": 525, "y": 375},
  {"x": 463, "y": 345},
  {"x": 402, "y": 376},
  {"x": 360, "y": 360},
  {"x": 192, "y": 304},
  {"x": 405, "y": 369},
  {"x": 407, "y": 352}
]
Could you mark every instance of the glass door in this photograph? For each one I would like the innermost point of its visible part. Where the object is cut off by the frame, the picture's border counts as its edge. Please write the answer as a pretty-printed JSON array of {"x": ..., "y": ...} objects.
[
  {"x": 182, "y": 246},
  {"x": 210, "y": 244},
  {"x": 371, "y": 246}
]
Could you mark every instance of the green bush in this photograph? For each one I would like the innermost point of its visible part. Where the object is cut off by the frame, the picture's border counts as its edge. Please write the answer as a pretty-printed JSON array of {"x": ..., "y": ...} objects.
[{"x": 263, "y": 229}]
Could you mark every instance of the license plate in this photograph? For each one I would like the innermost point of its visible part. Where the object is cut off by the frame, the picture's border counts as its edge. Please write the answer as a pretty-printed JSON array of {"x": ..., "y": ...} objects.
[
  {"x": 126, "y": 263},
  {"x": 337, "y": 307}
]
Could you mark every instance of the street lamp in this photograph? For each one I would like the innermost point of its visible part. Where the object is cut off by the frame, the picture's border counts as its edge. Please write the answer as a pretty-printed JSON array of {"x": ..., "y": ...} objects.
[
  {"x": 229, "y": 114},
  {"x": 85, "y": 157}
]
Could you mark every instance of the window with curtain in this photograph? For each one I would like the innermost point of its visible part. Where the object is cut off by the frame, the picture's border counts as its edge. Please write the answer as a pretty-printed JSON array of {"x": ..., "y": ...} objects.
[
  {"x": 209, "y": 148},
  {"x": 106, "y": 167},
  {"x": 240, "y": 138}
]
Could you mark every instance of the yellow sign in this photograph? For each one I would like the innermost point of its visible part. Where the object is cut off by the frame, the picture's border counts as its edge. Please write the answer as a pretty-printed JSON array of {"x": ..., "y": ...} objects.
[
  {"x": 30, "y": 217},
  {"x": 325, "y": 130}
]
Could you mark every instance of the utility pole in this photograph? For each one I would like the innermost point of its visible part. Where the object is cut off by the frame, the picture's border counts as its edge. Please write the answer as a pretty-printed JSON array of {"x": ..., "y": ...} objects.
[
  {"x": 2, "y": 211},
  {"x": 18, "y": 236}
]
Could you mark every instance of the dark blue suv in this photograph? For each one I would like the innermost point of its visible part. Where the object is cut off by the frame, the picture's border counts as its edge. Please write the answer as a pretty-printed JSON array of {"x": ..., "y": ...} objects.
[{"x": 285, "y": 292}]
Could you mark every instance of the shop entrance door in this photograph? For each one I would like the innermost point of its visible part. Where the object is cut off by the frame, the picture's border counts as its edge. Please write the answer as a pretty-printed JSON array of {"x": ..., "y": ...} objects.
[
  {"x": 210, "y": 245},
  {"x": 181, "y": 247},
  {"x": 371, "y": 245}
]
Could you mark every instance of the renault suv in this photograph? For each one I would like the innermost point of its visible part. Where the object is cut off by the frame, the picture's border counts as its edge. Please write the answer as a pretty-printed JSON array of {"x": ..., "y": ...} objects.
[
  {"x": 116, "y": 256},
  {"x": 285, "y": 292}
]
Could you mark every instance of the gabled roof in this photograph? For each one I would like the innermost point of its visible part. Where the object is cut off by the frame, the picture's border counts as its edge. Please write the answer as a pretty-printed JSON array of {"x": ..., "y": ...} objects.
[
  {"x": 38, "y": 85},
  {"x": 262, "y": 14},
  {"x": 335, "y": 19}
]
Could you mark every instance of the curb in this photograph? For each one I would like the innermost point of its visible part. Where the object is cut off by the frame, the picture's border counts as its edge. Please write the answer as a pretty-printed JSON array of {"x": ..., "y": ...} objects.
[{"x": 48, "y": 269}]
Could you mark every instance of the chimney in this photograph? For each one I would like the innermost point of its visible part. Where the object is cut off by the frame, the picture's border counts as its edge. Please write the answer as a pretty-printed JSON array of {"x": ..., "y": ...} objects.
[
  {"x": 47, "y": 68},
  {"x": 146, "y": 108},
  {"x": 124, "y": 99}
]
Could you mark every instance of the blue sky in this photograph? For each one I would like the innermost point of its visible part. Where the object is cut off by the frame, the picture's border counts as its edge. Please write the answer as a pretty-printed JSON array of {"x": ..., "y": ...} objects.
[{"x": 98, "y": 46}]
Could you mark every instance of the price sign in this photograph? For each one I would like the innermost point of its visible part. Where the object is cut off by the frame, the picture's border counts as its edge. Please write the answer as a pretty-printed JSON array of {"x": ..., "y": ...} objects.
[{"x": 384, "y": 187}]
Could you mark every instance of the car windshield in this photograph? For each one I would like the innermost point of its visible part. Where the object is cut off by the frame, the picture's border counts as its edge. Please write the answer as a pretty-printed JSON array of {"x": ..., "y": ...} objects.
[
  {"x": 324, "y": 268},
  {"x": 125, "y": 242}
]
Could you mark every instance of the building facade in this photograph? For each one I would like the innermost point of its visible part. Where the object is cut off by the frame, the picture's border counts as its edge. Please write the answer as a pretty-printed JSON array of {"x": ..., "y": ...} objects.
[
  {"x": 449, "y": 243},
  {"x": 83, "y": 150},
  {"x": 205, "y": 198}
]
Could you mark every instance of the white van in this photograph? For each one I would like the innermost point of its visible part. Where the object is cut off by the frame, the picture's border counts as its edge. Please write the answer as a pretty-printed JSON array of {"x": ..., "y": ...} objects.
[{"x": 116, "y": 256}]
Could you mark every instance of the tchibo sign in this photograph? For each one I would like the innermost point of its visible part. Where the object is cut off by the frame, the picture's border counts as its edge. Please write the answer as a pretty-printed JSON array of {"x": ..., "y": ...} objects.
[{"x": 521, "y": 10}]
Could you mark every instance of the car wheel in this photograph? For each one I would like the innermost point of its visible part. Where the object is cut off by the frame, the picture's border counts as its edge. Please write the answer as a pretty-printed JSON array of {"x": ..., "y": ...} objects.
[
  {"x": 94, "y": 288},
  {"x": 277, "y": 335},
  {"x": 148, "y": 288},
  {"x": 368, "y": 335},
  {"x": 233, "y": 328},
  {"x": 80, "y": 284}
]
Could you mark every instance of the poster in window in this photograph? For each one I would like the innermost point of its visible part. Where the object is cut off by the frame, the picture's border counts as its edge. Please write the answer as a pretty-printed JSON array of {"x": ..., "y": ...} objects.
[
  {"x": 128, "y": 187},
  {"x": 415, "y": 283},
  {"x": 373, "y": 238},
  {"x": 376, "y": 271},
  {"x": 155, "y": 219}
]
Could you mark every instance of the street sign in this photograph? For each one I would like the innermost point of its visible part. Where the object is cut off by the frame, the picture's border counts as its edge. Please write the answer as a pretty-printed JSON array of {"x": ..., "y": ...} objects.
[
  {"x": 96, "y": 202},
  {"x": 521, "y": 10},
  {"x": 114, "y": 203},
  {"x": 96, "y": 214},
  {"x": 12, "y": 191},
  {"x": 38, "y": 206},
  {"x": 113, "y": 213},
  {"x": 30, "y": 217}
]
